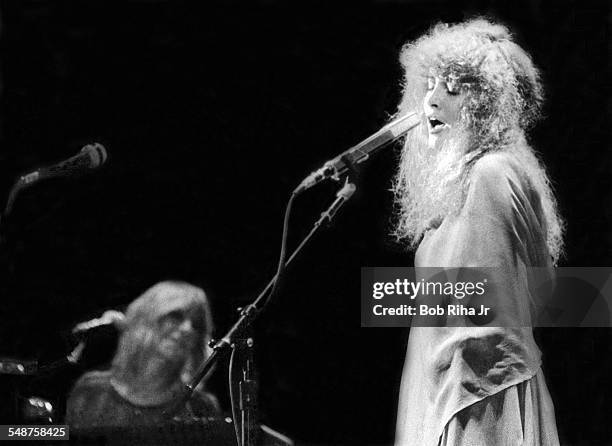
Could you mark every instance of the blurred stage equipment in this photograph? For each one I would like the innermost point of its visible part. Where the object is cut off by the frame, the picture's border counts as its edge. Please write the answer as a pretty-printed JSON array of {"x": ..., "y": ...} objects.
[
  {"x": 37, "y": 410},
  {"x": 17, "y": 407},
  {"x": 21, "y": 367}
]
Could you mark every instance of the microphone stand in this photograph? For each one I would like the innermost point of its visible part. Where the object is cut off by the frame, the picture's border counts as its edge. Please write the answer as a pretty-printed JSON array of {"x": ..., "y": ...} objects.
[
  {"x": 12, "y": 196},
  {"x": 247, "y": 316},
  {"x": 17, "y": 187},
  {"x": 247, "y": 388},
  {"x": 7, "y": 210}
]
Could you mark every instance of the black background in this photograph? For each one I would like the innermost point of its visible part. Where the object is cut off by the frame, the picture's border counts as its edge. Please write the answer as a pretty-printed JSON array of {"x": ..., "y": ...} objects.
[{"x": 211, "y": 116}]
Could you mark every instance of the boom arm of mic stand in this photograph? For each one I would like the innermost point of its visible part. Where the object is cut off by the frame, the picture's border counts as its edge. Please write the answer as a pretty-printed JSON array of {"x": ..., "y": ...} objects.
[
  {"x": 8, "y": 208},
  {"x": 11, "y": 198},
  {"x": 249, "y": 313}
]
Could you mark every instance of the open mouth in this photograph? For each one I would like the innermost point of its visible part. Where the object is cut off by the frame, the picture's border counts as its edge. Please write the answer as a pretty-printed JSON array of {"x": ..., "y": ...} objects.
[{"x": 435, "y": 125}]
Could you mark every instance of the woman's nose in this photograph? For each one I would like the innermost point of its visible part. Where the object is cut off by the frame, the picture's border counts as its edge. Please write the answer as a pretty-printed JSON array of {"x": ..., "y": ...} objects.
[{"x": 433, "y": 98}]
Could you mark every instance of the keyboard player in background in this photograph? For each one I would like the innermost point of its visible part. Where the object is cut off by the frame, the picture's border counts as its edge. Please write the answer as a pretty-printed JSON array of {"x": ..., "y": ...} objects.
[{"x": 163, "y": 340}]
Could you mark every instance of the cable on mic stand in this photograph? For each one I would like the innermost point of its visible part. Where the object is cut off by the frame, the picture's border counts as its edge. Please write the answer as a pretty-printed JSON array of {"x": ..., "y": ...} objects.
[{"x": 235, "y": 337}]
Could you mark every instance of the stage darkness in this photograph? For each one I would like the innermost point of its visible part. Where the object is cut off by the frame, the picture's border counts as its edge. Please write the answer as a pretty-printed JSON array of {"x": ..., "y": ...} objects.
[{"x": 211, "y": 116}]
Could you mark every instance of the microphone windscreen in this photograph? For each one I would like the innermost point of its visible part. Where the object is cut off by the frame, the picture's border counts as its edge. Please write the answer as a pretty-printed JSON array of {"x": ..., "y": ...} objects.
[{"x": 97, "y": 154}]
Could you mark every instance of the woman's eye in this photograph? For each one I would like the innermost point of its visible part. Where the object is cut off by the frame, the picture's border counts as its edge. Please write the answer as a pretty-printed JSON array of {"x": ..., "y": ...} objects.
[
  {"x": 452, "y": 88},
  {"x": 175, "y": 317}
]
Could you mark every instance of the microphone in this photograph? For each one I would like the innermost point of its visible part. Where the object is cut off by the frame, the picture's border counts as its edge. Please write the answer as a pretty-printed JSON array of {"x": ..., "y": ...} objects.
[
  {"x": 109, "y": 318},
  {"x": 91, "y": 156},
  {"x": 341, "y": 164}
]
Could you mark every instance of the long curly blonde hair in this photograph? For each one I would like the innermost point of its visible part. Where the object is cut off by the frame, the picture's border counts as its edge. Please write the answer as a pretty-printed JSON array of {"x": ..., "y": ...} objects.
[{"x": 503, "y": 99}]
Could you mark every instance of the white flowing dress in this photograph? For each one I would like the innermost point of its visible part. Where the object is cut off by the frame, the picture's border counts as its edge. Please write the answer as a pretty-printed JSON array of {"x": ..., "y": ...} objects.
[{"x": 483, "y": 385}]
